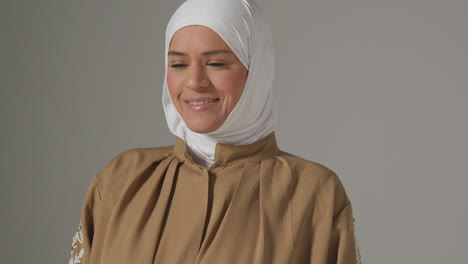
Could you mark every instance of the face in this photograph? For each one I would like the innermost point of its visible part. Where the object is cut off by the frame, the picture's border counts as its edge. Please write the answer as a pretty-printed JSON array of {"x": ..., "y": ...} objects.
[{"x": 204, "y": 77}]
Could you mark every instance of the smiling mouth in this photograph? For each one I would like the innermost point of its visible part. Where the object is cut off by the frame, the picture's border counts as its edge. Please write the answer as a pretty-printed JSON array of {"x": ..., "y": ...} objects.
[{"x": 203, "y": 102}]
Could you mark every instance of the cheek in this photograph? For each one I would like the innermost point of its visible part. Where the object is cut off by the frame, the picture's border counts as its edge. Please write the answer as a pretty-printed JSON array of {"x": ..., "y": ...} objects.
[
  {"x": 173, "y": 84},
  {"x": 233, "y": 83}
]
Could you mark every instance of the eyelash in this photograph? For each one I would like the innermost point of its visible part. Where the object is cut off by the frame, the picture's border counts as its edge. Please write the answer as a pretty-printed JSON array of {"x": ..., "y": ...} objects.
[
  {"x": 216, "y": 64},
  {"x": 177, "y": 66}
]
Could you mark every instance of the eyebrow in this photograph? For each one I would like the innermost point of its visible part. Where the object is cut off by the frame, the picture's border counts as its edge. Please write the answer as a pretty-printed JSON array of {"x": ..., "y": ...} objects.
[{"x": 206, "y": 53}]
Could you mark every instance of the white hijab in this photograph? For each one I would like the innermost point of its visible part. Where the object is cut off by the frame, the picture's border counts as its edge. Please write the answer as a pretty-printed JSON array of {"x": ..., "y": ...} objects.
[{"x": 242, "y": 26}]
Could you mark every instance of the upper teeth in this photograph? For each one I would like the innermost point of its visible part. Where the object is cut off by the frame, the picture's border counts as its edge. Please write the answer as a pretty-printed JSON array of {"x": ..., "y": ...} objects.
[{"x": 201, "y": 102}]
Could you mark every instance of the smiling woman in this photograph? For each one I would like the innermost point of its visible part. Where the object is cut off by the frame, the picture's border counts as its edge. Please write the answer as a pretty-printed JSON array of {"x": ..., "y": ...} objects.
[
  {"x": 224, "y": 192},
  {"x": 204, "y": 77}
]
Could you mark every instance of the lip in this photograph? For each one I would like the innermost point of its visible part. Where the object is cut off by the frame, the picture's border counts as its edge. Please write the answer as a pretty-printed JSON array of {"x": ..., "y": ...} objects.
[{"x": 201, "y": 103}]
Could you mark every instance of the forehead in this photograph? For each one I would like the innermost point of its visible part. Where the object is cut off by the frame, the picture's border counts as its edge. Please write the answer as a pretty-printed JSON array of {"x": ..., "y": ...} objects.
[{"x": 197, "y": 38}]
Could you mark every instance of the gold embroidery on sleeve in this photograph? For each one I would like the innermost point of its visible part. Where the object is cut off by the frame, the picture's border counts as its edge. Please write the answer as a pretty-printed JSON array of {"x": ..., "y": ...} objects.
[
  {"x": 78, "y": 238},
  {"x": 358, "y": 253}
]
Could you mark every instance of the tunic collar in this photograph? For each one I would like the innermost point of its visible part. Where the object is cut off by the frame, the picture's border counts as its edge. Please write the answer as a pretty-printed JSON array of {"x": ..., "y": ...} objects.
[{"x": 229, "y": 154}]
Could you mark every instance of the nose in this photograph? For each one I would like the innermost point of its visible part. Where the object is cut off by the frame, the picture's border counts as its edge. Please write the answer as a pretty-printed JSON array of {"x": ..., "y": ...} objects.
[{"x": 197, "y": 78}]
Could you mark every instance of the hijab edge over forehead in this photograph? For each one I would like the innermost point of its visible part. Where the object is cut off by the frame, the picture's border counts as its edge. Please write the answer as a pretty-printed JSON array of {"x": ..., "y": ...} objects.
[
  {"x": 214, "y": 24},
  {"x": 245, "y": 31}
]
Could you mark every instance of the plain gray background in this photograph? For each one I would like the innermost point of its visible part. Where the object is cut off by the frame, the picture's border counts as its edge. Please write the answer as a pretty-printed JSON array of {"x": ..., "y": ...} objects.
[{"x": 375, "y": 90}]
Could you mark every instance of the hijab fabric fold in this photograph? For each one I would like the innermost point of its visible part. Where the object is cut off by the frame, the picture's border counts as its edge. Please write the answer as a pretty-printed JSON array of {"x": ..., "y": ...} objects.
[{"x": 245, "y": 30}]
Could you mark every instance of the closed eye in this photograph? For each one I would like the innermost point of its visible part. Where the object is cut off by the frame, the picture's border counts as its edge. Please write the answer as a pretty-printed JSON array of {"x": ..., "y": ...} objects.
[
  {"x": 178, "y": 66},
  {"x": 217, "y": 64}
]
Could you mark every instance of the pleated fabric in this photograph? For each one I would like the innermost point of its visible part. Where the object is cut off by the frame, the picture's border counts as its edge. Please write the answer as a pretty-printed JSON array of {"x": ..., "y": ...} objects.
[{"x": 256, "y": 204}]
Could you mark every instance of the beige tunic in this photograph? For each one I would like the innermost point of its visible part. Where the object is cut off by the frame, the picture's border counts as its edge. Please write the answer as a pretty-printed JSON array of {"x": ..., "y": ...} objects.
[{"x": 256, "y": 204}]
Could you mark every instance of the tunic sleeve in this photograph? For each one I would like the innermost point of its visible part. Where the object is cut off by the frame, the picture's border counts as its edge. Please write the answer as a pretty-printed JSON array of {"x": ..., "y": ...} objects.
[
  {"x": 343, "y": 247},
  {"x": 83, "y": 239},
  {"x": 333, "y": 237}
]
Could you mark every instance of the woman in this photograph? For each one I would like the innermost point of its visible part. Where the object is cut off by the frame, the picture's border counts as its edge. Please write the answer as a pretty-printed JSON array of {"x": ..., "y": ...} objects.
[{"x": 224, "y": 193}]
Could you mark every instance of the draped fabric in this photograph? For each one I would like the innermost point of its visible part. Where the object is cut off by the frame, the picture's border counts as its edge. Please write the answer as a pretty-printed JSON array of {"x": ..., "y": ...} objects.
[{"x": 256, "y": 204}]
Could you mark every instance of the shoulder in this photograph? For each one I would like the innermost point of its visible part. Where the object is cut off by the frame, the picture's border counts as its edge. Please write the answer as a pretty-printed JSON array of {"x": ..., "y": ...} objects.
[
  {"x": 129, "y": 163},
  {"x": 141, "y": 155},
  {"x": 315, "y": 179},
  {"x": 133, "y": 158},
  {"x": 307, "y": 169}
]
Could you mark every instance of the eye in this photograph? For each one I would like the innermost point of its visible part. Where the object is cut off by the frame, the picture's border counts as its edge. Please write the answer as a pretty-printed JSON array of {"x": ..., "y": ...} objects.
[
  {"x": 217, "y": 64},
  {"x": 178, "y": 65}
]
